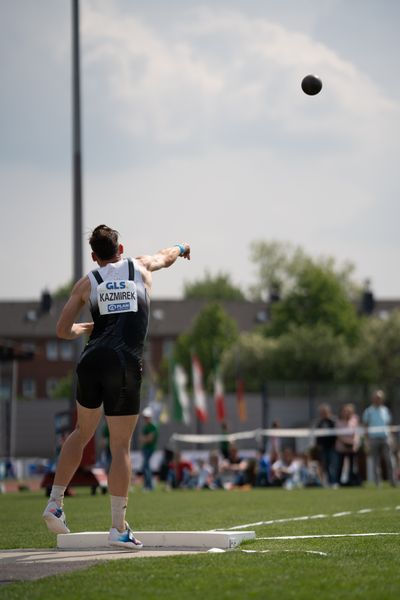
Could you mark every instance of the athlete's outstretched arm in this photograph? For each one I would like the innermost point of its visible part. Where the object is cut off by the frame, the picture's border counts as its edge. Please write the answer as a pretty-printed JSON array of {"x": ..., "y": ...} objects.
[
  {"x": 165, "y": 258},
  {"x": 66, "y": 328}
]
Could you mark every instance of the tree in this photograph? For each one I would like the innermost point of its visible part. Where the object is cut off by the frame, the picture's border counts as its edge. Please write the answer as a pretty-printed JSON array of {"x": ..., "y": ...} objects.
[
  {"x": 317, "y": 297},
  {"x": 303, "y": 353},
  {"x": 279, "y": 264},
  {"x": 64, "y": 291},
  {"x": 310, "y": 353},
  {"x": 376, "y": 358},
  {"x": 213, "y": 288},
  {"x": 63, "y": 388},
  {"x": 211, "y": 334},
  {"x": 251, "y": 357}
]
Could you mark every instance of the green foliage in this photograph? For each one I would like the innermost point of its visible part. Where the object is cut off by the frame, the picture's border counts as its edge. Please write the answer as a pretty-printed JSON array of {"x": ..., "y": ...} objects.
[
  {"x": 317, "y": 298},
  {"x": 64, "y": 387},
  {"x": 212, "y": 333},
  {"x": 303, "y": 353},
  {"x": 213, "y": 288},
  {"x": 310, "y": 353},
  {"x": 64, "y": 291},
  {"x": 376, "y": 358},
  {"x": 252, "y": 357},
  {"x": 279, "y": 264}
]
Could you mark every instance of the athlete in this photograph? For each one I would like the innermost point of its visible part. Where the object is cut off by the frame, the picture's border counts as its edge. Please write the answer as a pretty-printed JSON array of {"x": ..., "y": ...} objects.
[{"x": 109, "y": 371}]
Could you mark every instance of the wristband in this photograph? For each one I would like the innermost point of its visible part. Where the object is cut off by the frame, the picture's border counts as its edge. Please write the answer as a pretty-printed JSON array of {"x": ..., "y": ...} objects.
[{"x": 181, "y": 248}]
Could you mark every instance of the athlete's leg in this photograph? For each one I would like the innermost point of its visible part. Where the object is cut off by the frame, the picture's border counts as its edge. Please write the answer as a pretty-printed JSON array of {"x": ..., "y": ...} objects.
[
  {"x": 121, "y": 430},
  {"x": 71, "y": 453},
  {"x": 69, "y": 460}
]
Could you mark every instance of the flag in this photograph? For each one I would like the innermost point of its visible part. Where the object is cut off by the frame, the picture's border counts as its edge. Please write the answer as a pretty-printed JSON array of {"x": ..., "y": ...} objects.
[
  {"x": 219, "y": 396},
  {"x": 200, "y": 400},
  {"x": 180, "y": 394},
  {"x": 241, "y": 403}
]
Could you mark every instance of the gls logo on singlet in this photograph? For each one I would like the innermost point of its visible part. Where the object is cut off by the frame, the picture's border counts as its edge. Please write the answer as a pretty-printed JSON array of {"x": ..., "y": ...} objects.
[{"x": 117, "y": 297}]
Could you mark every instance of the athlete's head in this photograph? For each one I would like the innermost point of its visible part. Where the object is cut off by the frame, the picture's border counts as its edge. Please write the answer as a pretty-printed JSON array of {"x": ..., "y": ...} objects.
[{"x": 104, "y": 243}]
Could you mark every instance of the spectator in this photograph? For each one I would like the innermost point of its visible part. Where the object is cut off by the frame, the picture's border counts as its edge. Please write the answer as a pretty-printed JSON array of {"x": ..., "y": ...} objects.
[
  {"x": 378, "y": 415},
  {"x": 225, "y": 444},
  {"x": 274, "y": 443},
  {"x": 204, "y": 479},
  {"x": 234, "y": 469},
  {"x": 348, "y": 444},
  {"x": 148, "y": 440},
  {"x": 263, "y": 469},
  {"x": 310, "y": 470},
  {"x": 286, "y": 470},
  {"x": 326, "y": 445},
  {"x": 180, "y": 473},
  {"x": 168, "y": 457},
  {"x": 215, "y": 468}
]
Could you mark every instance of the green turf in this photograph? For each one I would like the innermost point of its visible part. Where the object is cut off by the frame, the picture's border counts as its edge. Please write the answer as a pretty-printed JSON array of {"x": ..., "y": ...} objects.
[{"x": 353, "y": 568}]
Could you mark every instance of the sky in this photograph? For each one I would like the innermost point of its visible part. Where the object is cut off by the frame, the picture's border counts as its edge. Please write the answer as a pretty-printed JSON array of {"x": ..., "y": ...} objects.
[{"x": 195, "y": 129}]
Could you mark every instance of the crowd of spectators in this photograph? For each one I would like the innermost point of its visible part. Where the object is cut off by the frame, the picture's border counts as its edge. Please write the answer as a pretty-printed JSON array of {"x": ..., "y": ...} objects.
[{"x": 335, "y": 459}]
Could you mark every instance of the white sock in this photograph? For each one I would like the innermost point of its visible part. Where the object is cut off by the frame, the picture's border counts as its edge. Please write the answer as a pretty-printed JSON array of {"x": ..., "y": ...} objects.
[
  {"x": 57, "y": 494},
  {"x": 118, "y": 511}
]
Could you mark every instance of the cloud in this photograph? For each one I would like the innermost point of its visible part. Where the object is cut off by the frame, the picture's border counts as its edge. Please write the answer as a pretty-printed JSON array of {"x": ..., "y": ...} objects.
[{"x": 224, "y": 77}]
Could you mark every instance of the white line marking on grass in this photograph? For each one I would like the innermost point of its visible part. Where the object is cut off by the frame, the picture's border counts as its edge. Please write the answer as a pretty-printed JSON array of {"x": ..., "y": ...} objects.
[
  {"x": 266, "y": 551},
  {"x": 305, "y": 518},
  {"x": 326, "y": 535},
  {"x": 256, "y": 551}
]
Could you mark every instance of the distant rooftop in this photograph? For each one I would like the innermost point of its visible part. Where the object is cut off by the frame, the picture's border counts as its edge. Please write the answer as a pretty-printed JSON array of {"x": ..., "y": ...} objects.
[{"x": 169, "y": 318}]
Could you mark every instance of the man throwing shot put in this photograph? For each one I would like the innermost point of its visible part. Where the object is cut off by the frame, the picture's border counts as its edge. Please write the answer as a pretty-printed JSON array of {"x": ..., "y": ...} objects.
[{"x": 109, "y": 371}]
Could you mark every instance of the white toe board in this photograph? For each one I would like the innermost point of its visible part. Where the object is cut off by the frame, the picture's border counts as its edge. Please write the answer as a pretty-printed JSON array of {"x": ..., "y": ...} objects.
[{"x": 159, "y": 539}]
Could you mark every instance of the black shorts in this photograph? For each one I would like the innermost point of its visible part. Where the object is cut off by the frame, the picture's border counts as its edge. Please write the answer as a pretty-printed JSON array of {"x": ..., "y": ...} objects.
[{"x": 112, "y": 378}]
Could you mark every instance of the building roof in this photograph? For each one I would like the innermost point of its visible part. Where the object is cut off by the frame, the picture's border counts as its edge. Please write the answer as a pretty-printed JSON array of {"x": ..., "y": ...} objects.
[{"x": 169, "y": 318}]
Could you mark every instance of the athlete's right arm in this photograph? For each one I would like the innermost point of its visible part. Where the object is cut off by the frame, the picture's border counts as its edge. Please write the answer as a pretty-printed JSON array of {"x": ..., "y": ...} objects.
[
  {"x": 66, "y": 328},
  {"x": 164, "y": 258}
]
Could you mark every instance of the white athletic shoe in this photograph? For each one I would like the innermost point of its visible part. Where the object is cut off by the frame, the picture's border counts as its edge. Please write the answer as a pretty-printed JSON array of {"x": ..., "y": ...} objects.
[
  {"x": 54, "y": 517},
  {"x": 126, "y": 539}
]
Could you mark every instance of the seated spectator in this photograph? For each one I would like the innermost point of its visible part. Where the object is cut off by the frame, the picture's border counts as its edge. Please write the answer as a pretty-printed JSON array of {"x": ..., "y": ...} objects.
[
  {"x": 203, "y": 476},
  {"x": 214, "y": 461},
  {"x": 274, "y": 443},
  {"x": 263, "y": 469},
  {"x": 233, "y": 469},
  {"x": 180, "y": 472},
  {"x": 286, "y": 470},
  {"x": 225, "y": 444},
  {"x": 310, "y": 469}
]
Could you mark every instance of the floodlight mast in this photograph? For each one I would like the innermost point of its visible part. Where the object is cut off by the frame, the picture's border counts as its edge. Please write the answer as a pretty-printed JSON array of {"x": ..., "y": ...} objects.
[
  {"x": 76, "y": 176},
  {"x": 76, "y": 145}
]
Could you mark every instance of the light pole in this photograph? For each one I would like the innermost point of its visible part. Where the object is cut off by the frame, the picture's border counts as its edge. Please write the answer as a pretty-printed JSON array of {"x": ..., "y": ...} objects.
[
  {"x": 76, "y": 173},
  {"x": 76, "y": 145}
]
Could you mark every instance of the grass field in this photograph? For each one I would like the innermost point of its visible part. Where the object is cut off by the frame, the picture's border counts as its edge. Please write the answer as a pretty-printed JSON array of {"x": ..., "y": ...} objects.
[{"x": 344, "y": 567}]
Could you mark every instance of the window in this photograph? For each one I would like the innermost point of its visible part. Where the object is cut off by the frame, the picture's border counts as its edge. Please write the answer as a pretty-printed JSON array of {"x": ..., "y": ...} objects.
[
  {"x": 52, "y": 350},
  {"x": 66, "y": 350},
  {"x": 5, "y": 390},
  {"x": 51, "y": 385},
  {"x": 29, "y": 347},
  {"x": 29, "y": 388},
  {"x": 167, "y": 348}
]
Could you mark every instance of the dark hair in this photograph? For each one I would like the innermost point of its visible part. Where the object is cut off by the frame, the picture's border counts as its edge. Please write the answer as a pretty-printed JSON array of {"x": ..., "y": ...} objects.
[{"x": 104, "y": 242}]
